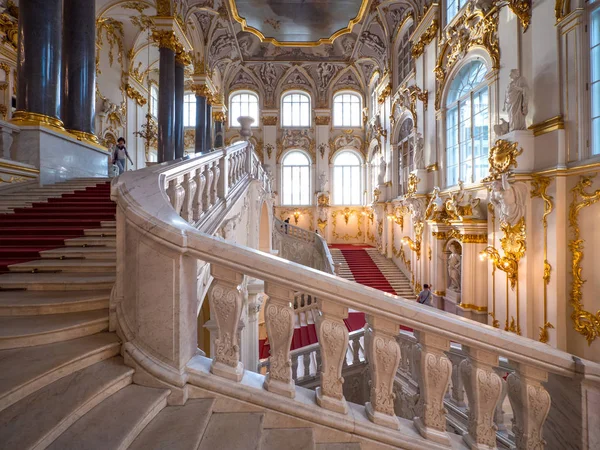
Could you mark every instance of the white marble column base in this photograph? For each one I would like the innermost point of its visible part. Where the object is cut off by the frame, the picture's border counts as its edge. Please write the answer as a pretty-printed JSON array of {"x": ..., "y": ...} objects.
[
  {"x": 225, "y": 371},
  {"x": 279, "y": 387},
  {"x": 330, "y": 403},
  {"x": 378, "y": 418},
  {"x": 431, "y": 433}
]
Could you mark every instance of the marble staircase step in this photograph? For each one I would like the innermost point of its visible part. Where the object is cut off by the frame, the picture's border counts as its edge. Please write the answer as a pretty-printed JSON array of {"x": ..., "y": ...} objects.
[
  {"x": 25, "y": 370},
  {"x": 29, "y": 303},
  {"x": 102, "y": 232},
  {"x": 288, "y": 439},
  {"x": 116, "y": 422},
  {"x": 233, "y": 431},
  {"x": 176, "y": 427},
  {"x": 28, "y": 331},
  {"x": 28, "y": 424},
  {"x": 108, "y": 223},
  {"x": 65, "y": 265},
  {"x": 339, "y": 446},
  {"x": 87, "y": 253},
  {"x": 94, "y": 241},
  {"x": 83, "y": 281}
]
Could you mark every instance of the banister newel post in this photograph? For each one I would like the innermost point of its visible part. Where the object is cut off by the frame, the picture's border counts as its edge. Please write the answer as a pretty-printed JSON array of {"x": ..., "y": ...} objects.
[
  {"x": 433, "y": 370},
  {"x": 279, "y": 318},
  {"x": 483, "y": 387},
  {"x": 530, "y": 403},
  {"x": 225, "y": 297},
  {"x": 383, "y": 356},
  {"x": 333, "y": 341}
]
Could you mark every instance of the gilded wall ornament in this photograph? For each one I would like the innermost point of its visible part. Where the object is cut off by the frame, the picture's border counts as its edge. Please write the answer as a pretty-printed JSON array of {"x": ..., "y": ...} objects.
[
  {"x": 269, "y": 120},
  {"x": 322, "y": 120},
  {"x": 134, "y": 94},
  {"x": 413, "y": 183},
  {"x": 584, "y": 322},
  {"x": 347, "y": 213},
  {"x": 166, "y": 39},
  {"x": 9, "y": 30},
  {"x": 419, "y": 47},
  {"x": 113, "y": 29},
  {"x": 503, "y": 157}
]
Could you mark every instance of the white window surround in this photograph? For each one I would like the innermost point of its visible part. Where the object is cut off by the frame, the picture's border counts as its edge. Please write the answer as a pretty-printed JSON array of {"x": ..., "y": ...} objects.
[
  {"x": 243, "y": 103},
  {"x": 189, "y": 110},
  {"x": 347, "y": 179},
  {"x": 154, "y": 101},
  {"x": 296, "y": 179},
  {"x": 347, "y": 109},
  {"x": 594, "y": 81},
  {"x": 466, "y": 129},
  {"x": 296, "y": 109},
  {"x": 404, "y": 59}
]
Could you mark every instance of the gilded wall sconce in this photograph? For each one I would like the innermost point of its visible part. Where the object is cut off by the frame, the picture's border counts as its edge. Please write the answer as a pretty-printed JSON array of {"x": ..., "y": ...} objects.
[
  {"x": 347, "y": 214},
  {"x": 415, "y": 246},
  {"x": 297, "y": 215}
]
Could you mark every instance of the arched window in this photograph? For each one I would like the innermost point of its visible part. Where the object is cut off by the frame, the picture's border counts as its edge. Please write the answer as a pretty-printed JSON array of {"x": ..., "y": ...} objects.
[
  {"x": 595, "y": 80},
  {"x": 295, "y": 110},
  {"x": 296, "y": 179},
  {"x": 346, "y": 110},
  {"x": 189, "y": 110},
  {"x": 405, "y": 155},
  {"x": 243, "y": 103},
  {"x": 154, "y": 100},
  {"x": 467, "y": 125},
  {"x": 452, "y": 8},
  {"x": 405, "y": 60},
  {"x": 347, "y": 180}
]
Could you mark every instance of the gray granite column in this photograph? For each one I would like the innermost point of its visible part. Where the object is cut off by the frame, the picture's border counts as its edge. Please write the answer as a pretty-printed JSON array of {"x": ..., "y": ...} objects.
[
  {"x": 219, "y": 133},
  {"x": 39, "y": 62},
  {"x": 166, "y": 105},
  {"x": 208, "y": 130},
  {"x": 179, "y": 91},
  {"x": 79, "y": 63},
  {"x": 200, "y": 121}
]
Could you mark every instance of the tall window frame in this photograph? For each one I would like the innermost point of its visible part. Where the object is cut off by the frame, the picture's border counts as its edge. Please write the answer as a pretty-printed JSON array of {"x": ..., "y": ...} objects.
[
  {"x": 406, "y": 155},
  {"x": 296, "y": 107},
  {"x": 154, "y": 100},
  {"x": 404, "y": 59},
  {"x": 189, "y": 110},
  {"x": 347, "y": 178},
  {"x": 467, "y": 124},
  {"x": 594, "y": 79},
  {"x": 244, "y": 103},
  {"x": 452, "y": 8},
  {"x": 347, "y": 109},
  {"x": 296, "y": 172}
]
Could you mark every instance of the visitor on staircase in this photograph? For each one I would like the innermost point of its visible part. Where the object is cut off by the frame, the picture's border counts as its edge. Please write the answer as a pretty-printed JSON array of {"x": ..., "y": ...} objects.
[
  {"x": 119, "y": 155},
  {"x": 425, "y": 296}
]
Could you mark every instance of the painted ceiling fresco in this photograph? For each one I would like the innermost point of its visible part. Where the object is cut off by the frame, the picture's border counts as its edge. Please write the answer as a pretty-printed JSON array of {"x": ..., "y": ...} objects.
[{"x": 298, "y": 20}]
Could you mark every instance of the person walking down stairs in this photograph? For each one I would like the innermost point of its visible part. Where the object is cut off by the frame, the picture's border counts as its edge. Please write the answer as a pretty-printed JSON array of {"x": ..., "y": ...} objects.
[{"x": 119, "y": 155}]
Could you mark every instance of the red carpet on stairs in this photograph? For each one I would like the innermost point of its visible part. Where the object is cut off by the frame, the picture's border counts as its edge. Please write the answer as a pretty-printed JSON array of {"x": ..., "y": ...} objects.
[{"x": 45, "y": 225}]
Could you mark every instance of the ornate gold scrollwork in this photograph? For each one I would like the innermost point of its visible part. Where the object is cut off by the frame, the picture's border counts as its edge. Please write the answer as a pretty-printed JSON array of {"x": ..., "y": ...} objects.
[
  {"x": 134, "y": 94},
  {"x": 347, "y": 212},
  {"x": 413, "y": 183},
  {"x": 539, "y": 187},
  {"x": 584, "y": 322},
  {"x": 419, "y": 48},
  {"x": 415, "y": 245},
  {"x": 503, "y": 156},
  {"x": 166, "y": 39},
  {"x": 561, "y": 9}
]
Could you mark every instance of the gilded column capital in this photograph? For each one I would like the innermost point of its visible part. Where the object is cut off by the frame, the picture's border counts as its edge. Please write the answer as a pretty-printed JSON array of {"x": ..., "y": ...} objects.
[
  {"x": 201, "y": 90},
  {"x": 183, "y": 58},
  {"x": 219, "y": 116},
  {"x": 166, "y": 39}
]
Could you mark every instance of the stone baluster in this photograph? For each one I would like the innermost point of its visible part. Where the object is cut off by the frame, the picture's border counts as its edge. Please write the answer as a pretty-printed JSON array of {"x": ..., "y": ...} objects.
[
  {"x": 200, "y": 179},
  {"x": 434, "y": 370},
  {"x": 206, "y": 199},
  {"x": 333, "y": 342},
  {"x": 226, "y": 299},
  {"x": 295, "y": 366},
  {"x": 231, "y": 181},
  {"x": 499, "y": 413},
  {"x": 214, "y": 196},
  {"x": 189, "y": 186},
  {"x": 530, "y": 404},
  {"x": 279, "y": 318},
  {"x": 306, "y": 363},
  {"x": 355, "y": 349},
  {"x": 457, "y": 389},
  {"x": 176, "y": 193},
  {"x": 383, "y": 355},
  {"x": 483, "y": 387}
]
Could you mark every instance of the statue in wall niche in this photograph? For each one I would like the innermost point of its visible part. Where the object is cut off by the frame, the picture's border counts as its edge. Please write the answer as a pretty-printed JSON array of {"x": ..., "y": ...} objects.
[
  {"x": 268, "y": 75},
  {"x": 508, "y": 200},
  {"x": 419, "y": 151},
  {"x": 323, "y": 182},
  {"x": 516, "y": 100},
  {"x": 382, "y": 168},
  {"x": 454, "y": 267},
  {"x": 325, "y": 72}
]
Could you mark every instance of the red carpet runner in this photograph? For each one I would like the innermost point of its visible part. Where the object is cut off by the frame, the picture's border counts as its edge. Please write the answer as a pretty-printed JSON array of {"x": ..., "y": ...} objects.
[
  {"x": 365, "y": 272},
  {"x": 45, "y": 225}
]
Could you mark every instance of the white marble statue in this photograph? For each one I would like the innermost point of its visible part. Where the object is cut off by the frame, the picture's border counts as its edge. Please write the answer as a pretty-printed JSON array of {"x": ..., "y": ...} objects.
[
  {"x": 502, "y": 128},
  {"x": 454, "y": 267},
  {"x": 382, "y": 168},
  {"x": 419, "y": 151},
  {"x": 515, "y": 102},
  {"x": 508, "y": 200},
  {"x": 323, "y": 182}
]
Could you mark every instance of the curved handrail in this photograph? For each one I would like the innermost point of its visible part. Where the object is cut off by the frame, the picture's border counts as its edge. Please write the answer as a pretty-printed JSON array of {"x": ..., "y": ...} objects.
[{"x": 142, "y": 197}]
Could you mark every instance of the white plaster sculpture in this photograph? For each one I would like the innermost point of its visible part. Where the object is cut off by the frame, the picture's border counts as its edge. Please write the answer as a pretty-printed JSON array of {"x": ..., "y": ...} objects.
[
  {"x": 502, "y": 128},
  {"x": 382, "y": 168},
  {"x": 268, "y": 75},
  {"x": 419, "y": 144},
  {"x": 515, "y": 102},
  {"x": 508, "y": 200},
  {"x": 454, "y": 267},
  {"x": 323, "y": 182},
  {"x": 325, "y": 72}
]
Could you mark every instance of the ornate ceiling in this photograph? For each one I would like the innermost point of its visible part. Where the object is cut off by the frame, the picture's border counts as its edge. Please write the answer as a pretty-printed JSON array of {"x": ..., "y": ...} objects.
[{"x": 298, "y": 22}]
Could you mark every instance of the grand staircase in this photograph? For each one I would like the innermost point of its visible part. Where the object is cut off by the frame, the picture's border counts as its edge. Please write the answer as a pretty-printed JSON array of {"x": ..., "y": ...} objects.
[{"x": 63, "y": 383}]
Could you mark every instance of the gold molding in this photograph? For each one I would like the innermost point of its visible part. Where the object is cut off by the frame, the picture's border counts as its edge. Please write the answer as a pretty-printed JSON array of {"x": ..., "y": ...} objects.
[
  {"x": 419, "y": 47},
  {"x": 473, "y": 307},
  {"x": 134, "y": 94},
  {"x": 584, "y": 322},
  {"x": 329, "y": 40},
  {"x": 548, "y": 126},
  {"x": 269, "y": 120},
  {"x": 347, "y": 212},
  {"x": 17, "y": 167},
  {"x": 503, "y": 157},
  {"x": 538, "y": 190},
  {"x": 27, "y": 118},
  {"x": 321, "y": 120},
  {"x": 166, "y": 39}
]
